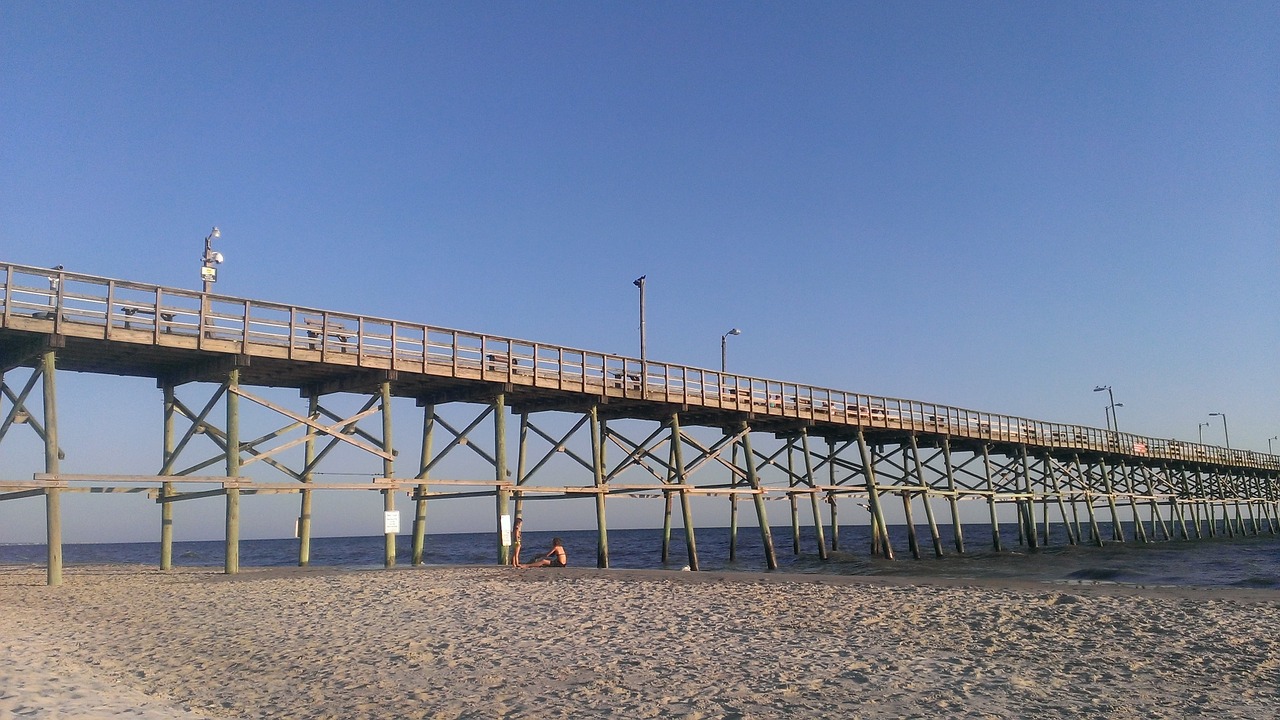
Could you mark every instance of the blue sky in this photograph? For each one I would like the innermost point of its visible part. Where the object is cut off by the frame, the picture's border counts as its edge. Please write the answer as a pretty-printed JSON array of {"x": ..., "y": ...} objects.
[{"x": 991, "y": 205}]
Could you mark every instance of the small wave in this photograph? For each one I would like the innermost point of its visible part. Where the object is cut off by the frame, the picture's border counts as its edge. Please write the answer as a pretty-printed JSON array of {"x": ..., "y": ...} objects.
[
  {"x": 1095, "y": 574},
  {"x": 1258, "y": 581}
]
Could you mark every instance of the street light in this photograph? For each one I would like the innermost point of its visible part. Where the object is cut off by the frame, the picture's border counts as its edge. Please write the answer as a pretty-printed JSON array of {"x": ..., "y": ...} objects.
[
  {"x": 724, "y": 343},
  {"x": 1114, "y": 420},
  {"x": 1226, "y": 435},
  {"x": 209, "y": 273},
  {"x": 1273, "y": 437},
  {"x": 1110, "y": 410},
  {"x": 639, "y": 282},
  {"x": 1202, "y": 425}
]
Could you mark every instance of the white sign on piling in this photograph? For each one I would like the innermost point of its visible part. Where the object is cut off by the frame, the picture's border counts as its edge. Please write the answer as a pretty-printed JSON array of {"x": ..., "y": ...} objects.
[
  {"x": 506, "y": 531},
  {"x": 391, "y": 522}
]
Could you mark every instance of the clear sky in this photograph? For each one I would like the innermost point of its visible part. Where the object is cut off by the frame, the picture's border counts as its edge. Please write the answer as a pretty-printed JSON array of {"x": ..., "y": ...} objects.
[{"x": 995, "y": 205}]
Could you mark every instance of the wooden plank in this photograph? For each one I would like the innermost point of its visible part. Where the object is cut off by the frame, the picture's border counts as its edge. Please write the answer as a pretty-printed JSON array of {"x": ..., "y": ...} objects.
[
  {"x": 21, "y": 494},
  {"x": 65, "y": 477}
]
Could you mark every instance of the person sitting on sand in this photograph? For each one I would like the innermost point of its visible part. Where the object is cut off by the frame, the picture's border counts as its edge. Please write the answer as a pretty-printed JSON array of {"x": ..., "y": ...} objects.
[{"x": 555, "y": 557}]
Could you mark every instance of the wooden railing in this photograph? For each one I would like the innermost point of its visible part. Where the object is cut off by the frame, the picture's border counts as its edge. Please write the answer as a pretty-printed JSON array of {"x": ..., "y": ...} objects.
[{"x": 73, "y": 304}]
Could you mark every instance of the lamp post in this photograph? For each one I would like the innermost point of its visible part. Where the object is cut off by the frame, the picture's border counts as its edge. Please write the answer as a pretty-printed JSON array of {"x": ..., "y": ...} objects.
[
  {"x": 1273, "y": 437},
  {"x": 724, "y": 344},
  {"x": 1114, "y": 420},
  {"x": 1113, "y": 415},
  {"x": 639, "y": 282},
  {"x": 209, "y": 273},
  {"x": 1201, "y": 428},
  {"x": 1226, "y": 435}
]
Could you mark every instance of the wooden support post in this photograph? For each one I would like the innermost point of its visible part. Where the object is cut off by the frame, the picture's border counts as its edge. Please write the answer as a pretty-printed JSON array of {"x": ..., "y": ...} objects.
[
  {"x": 1117, "y": 530},
  {"x": 677, "y": 461},
  {"x": 791, "y": 497},
  {"x": 1062, "y": 508},
  {"x": 991, "y": 498},
  {"x": 813, "y": 496},
  {"x": 831, "y": 498},
  {"x": 957, "y": 527},
  {"x": 924, "y": 496},
  {"x": 913, "y": 543},
  {"x": 1192, "y": 499},
  {"x": 1224, "y": 493},
  {"x": 52, "y": 496},
  {"x": 231, "y": 564},
  {"x": 503, "y": 495},
  {"x": 1087, "y": 483},
  {"x": 1126, "y": 477},
  {"x": 766, "y": 533},
  {"x": 667, "y": 501},
  {"x": 420, "y": 506},
  {"x": 1253, "y": 518},
  {"x": 1157, "y": 520},
  {"x": 308, "y": 476},
  {"x": 1075, "y": 512},
  {"x": 388, "y": 470},
  {"x": 1204, "y": 493},
  {"x": 597, "y": 464},
  {"x": 873, "y": 495},
  {"x": 522, "y": 462},
  {"x": 1027, "y": 505},
  {"x": 733, "y": 505},
  {"x": 166, "y": 489},
  {"x": 1267, "y": 509},
  {"x": 1195, "y": 498},
  {"x": 1044, "y": 512},
  {"x": 1236, "y": 503},
  {"x": 1174, "y": 502}
]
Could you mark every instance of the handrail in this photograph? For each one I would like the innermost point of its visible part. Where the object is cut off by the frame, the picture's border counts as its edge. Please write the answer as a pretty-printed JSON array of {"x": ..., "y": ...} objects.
[{"x": 129, "y": 311}]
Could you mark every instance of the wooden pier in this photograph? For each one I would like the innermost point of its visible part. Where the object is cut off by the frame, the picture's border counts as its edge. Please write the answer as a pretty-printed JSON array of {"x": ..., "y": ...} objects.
[{"x": 703, "y": 431}]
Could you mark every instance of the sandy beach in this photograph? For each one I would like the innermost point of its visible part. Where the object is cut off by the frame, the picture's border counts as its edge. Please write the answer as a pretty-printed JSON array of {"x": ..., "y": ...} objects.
[{"x": 435, "y": 642}]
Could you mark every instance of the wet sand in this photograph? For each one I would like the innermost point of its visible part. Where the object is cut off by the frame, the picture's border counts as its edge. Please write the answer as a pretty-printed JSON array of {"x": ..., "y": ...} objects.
[{"x": 446, "y": 642}]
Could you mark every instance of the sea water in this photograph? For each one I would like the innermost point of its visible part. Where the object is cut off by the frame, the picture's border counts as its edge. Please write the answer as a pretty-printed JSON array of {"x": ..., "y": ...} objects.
[{"x": 1250, "y": 562}]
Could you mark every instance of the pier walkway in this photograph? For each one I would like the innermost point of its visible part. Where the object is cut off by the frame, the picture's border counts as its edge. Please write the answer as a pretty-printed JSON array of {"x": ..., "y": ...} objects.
[{"x": 813, "y": 445}]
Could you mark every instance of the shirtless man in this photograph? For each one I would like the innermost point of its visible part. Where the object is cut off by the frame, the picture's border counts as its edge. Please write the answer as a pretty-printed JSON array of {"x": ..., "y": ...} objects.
[{"x": 555, "y": 557}]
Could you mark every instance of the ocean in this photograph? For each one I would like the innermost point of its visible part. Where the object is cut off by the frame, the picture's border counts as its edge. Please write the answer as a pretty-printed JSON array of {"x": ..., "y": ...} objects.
[{"x": 1248, "y": 562}]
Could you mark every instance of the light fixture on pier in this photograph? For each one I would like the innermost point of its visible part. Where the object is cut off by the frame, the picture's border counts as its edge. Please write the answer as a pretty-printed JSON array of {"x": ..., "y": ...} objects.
[
  {"x": 724, "y": 344},
  {"x": 1115, "y": 423},
  {"x": 639, "y": 282},
  {"x": 209, "y": 273},
  {"x": 1225, "y": 434}
]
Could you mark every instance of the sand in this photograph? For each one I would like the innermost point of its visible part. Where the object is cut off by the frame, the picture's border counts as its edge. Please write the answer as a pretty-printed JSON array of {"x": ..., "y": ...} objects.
[{"x": 436, "y": 642}]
